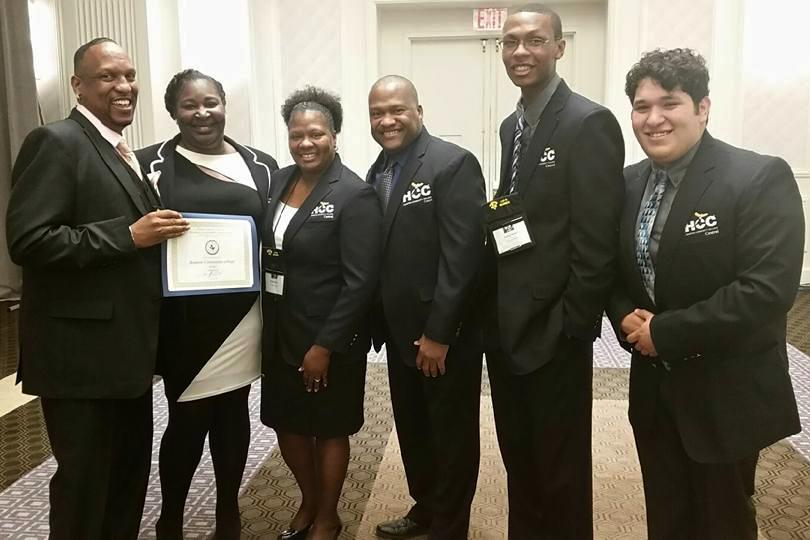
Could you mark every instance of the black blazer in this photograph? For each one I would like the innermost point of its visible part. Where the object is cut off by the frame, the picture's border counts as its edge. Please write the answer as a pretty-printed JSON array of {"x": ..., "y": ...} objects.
[
  {"x": 432, "y": 246},
  {"x": 570, "y": 184},
  {"x": 727, "y": 272},
  {"x": 89, "y": 313},
  {"x": 182, "y": 353},
  {"x": 331, "y": 257}
]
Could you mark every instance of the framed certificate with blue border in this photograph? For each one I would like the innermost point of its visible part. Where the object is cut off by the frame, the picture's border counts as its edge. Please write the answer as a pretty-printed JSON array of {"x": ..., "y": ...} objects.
[{"x": 218, "y": 254}]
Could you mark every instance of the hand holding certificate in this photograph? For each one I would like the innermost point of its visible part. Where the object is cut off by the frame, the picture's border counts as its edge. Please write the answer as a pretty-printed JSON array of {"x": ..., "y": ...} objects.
[{"x": 218, "y": 254}]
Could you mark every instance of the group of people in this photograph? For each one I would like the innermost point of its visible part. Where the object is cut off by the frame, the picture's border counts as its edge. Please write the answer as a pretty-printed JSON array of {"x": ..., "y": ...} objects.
[{"x": 695, "y": 254}]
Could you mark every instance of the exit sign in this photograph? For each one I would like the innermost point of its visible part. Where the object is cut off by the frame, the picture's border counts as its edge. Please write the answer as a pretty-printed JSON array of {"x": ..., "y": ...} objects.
[{"x": 488, "y": 19}]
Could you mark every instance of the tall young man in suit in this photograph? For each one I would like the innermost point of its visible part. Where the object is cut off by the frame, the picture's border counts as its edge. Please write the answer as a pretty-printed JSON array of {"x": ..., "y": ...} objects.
[
  {"x": 711, "y": 253},
  {"x": 432, "y": 194},
  {"x": 549, "y": 268},
  {"x": 80, "y": 222}
]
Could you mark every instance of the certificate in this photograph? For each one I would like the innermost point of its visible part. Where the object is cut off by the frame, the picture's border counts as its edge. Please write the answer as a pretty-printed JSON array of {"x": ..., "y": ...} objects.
[{"x": 218, "y": 254}]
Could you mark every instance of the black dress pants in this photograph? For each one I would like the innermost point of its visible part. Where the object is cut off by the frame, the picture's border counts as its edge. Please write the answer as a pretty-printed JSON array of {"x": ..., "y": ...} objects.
[
  {"x": 543, "y": 422},
  {"x": 687, "y": 500},
  {"x": 437, "y": 422},
  {"x": 225, "y": 420},
  {"x": 103, "y": 451}
]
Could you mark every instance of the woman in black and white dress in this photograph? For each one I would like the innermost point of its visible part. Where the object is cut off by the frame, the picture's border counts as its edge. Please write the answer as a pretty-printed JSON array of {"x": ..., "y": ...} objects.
[{"x": 209, "y": 345}]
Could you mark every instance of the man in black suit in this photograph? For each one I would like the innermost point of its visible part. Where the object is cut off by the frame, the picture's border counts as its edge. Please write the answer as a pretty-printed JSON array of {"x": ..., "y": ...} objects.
[
  {"x": 548, "y": 273},
  {"x": 80, "y": 222},
  {"x": 432, "y": 194},
  {"x": 711, "y": 253}
]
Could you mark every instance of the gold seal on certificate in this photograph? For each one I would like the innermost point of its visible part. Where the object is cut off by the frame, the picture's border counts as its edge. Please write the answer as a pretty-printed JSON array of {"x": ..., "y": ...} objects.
[{"x": 218, "y": 254}]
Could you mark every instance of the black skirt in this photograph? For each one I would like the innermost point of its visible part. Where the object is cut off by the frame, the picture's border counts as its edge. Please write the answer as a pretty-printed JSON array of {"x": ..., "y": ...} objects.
[{"x": 334, "y": 411}]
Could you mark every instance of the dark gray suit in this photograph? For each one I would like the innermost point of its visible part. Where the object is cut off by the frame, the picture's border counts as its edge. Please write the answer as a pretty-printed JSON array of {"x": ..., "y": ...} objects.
[{"x": 88, "y": 322}]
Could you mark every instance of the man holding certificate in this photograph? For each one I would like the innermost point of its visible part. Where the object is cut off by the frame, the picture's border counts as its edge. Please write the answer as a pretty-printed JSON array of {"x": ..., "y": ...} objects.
[
  {"x": 210, "y": 330},
  {"x": 83, "y": 225}
]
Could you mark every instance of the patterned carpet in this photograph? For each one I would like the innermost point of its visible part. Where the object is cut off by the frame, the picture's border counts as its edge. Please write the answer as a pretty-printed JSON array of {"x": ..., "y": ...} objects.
[{"x": 374, "y": 487}]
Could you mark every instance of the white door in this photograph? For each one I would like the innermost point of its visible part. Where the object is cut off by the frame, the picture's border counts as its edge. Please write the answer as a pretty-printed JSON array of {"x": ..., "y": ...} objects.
[{"x": 449, "y": 76}]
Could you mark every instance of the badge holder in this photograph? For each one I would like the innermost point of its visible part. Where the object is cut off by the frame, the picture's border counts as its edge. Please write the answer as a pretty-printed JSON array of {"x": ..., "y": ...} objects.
[
  {"x": 507, "y": 225},
  {"x": 273, "y": 262}
]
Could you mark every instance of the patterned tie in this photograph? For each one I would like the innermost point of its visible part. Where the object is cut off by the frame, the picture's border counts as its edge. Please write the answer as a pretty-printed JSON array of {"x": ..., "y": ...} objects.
[
  {"x": 516, "y": 144},
  {"x": 384, "y": 181},
  {"x": 128, "y": 156},
  {"x": 645, "y": 226}
]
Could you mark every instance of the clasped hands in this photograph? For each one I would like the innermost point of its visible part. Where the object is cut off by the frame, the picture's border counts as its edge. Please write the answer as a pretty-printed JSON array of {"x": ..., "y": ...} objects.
[{"x": 636, "y": 326}]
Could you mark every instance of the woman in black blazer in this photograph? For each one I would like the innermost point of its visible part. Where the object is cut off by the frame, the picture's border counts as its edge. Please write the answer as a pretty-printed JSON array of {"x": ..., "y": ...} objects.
[{"x": 322, "y": 241}]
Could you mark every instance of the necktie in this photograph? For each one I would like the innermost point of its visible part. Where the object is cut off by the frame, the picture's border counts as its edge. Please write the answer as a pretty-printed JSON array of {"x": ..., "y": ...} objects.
[
  {"x": 384, "y": 182},
  {"x": 645, "y": 226},
  {"x": 128, "y": 156},
  {"x": 516, "y": 144}
]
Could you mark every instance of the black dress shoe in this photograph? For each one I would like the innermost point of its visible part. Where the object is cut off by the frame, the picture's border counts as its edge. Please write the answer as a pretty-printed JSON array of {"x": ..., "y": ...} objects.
[
  {"x": 401, "y": 528},
  {"x": 293, "y": 534}
]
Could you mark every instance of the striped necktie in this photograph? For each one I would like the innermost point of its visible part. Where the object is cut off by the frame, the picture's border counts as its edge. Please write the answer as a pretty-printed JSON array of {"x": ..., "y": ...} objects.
[
  {"x": 516, "y": 145},
  {"x": 643, "y": 258}
]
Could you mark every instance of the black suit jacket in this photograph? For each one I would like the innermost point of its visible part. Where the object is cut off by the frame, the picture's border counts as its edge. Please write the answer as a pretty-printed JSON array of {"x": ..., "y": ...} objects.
[
  {"x": 570, "y": 184},
  {"x": 432, "y": 245},
  {"x": 89, "y": 313},
  {"x": 331, "y": 263},
  {"x": 727, "y": 272}
]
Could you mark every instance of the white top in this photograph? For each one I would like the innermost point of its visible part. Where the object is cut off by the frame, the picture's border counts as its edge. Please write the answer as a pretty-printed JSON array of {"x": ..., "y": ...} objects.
[
  {"x": 281, "y": 220},
  {"x": 231, "y": 166},
  {"x": 236, "y": 363}
]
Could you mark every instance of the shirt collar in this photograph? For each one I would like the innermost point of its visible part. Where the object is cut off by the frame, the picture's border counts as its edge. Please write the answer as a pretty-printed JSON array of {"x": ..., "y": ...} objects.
[
  {"x": 109, "y": 135},
  {"x": 532, "y": 111},
  {"x": 677, "y": 169}
]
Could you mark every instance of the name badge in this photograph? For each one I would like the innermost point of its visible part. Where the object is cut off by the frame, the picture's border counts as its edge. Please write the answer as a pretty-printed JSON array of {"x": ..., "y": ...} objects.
[
  {"x": 274, "y": 283},
  {"x": 512, "y": 236},
  {"x": 274, "y": 272},
  {"x": 507, "y": 225}
]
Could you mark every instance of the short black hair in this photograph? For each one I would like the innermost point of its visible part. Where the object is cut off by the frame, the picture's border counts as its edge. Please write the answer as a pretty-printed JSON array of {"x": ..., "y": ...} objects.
[
  {"x": 312, "y": 98},
  {"x": 556, "y": 22},
  {"x": 78, "y": 56},
  {"x": 177, "y": 83},
  {"x": 671, "y": 68}
]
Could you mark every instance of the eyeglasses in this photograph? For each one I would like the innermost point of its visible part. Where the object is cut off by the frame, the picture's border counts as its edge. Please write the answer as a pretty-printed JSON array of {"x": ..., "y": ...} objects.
[{"x": 510, "y": 44}]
